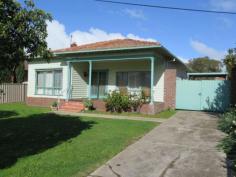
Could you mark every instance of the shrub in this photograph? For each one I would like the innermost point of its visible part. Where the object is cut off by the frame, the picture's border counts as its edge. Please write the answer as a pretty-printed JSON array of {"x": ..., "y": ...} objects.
[
  {"x": 88, "y": 104},
  {"x": 117, "y": 102},
  {"x": 227, "y": 124},
  {"x": 54, "y": 104},
  {"x": 135, "y": 102},
  {"x": 145, "y": 95}
]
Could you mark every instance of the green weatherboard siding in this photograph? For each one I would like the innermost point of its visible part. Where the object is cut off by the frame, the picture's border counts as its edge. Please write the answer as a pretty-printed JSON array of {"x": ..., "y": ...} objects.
[
  {"x": 68, "y": 80},
  {"x": 152, "y": 78},
  {"x": 90, "y": 78}
]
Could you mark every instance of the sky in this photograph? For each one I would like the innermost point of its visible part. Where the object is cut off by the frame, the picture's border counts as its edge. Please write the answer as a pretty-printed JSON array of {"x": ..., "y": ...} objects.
[{"x": 186, "y": 34}]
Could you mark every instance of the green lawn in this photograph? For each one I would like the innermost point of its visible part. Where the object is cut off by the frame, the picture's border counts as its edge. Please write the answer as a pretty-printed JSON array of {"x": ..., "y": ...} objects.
[
  {"x": 36, "y": 143},
  {"x": 164, "y": 114}
]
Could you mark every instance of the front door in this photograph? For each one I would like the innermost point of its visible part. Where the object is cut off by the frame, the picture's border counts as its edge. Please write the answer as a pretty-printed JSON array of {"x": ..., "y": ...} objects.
[{"x": 99, "y": 84}]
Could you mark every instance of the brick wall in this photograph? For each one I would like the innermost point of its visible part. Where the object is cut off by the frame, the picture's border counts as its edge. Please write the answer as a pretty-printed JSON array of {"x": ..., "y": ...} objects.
[
  {"x": 152, "y": 108},
  {"x": 170, "y": 88},
  {"x": 42, "y": 102},
  {"x": 99, "y": 105}
]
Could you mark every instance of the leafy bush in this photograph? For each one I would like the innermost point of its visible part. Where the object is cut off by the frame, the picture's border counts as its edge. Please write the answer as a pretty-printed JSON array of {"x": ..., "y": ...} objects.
[
  {"x": 117, "y": 102},
  {"x": 54, "y": 104},
  {"x": 135, "y": 101},
  {"x": 121, "y": 100},
  {"x": 145, "y": 95},
  {"x": 227, "y": 124},
  {"x": 88, "y": 104}
]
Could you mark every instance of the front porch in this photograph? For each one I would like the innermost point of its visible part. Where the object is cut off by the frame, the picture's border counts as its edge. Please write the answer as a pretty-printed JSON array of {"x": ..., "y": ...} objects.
[{"x": 95, "y": 79}]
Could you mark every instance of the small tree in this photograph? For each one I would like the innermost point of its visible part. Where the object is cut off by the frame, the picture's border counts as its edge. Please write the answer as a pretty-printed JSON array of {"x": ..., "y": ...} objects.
[
  {"x": 23, "y": 32},
  {"x": 230, "y": 60},
  {"x": 204, "y": 64}
]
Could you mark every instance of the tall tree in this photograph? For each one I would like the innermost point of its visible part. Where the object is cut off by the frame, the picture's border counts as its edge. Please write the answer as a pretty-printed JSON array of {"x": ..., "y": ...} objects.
[
  {"x": 230, "y": 60},
  {"x": 22, "y": 34},
  {"x": 204, "y": 64}
]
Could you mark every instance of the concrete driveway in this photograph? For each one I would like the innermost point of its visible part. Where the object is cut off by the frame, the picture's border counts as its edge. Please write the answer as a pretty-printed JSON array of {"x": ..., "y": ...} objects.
[{"x": 183, "y": 146}]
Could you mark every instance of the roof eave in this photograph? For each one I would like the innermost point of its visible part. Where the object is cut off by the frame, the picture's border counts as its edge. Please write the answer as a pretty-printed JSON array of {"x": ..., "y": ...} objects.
[{"x": 175, "y": 57}]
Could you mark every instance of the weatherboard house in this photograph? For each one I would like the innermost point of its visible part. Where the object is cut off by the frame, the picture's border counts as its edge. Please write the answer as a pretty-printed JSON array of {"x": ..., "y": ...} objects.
[{"x": 91, "y": 71}]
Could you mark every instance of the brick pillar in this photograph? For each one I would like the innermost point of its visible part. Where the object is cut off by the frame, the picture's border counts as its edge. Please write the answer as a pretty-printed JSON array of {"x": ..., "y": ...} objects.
[
  {"x": 233, "y": 86},
  {"x": 170, "y": 88}
]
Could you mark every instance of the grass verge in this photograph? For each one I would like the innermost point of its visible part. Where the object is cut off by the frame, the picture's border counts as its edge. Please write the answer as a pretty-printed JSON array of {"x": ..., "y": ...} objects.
[{"x": 36, "y": 143}]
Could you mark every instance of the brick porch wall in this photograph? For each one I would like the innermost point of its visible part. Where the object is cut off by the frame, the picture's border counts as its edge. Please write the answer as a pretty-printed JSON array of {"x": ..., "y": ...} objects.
[
  {"x": 42, "y": 102},
  {"x": 152, "y": 109},
  {"x": 170, "y": 88},
  {"x": 99, "y": 105}
]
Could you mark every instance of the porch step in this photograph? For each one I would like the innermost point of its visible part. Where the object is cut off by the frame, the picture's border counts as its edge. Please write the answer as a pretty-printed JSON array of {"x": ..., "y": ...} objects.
[
  {"x": 71, "y": 106},
  {"x": 73, "y": 103}
]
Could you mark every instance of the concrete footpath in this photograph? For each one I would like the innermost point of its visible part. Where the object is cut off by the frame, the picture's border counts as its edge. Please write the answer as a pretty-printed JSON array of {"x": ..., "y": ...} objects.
[
  {"x": 109, "y": 116},
  {"x": 183, "y": 146}
]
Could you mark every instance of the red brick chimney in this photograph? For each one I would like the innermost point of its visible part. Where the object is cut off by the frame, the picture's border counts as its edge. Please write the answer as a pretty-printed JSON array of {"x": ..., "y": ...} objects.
[{"x": 73, "y": 44}]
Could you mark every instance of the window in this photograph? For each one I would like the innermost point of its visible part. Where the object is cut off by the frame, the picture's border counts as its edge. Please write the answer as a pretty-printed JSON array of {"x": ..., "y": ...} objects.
[
  {"x": 49, "y": 82},
  {"x": 122, "y": 79},
  {"x": 135, "y": 79}
]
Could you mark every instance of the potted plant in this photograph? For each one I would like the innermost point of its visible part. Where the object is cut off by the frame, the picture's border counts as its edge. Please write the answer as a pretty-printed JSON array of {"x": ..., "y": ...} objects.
[
  {"x": 88, "y": 105},
  {"x": 54, "y": 106}
]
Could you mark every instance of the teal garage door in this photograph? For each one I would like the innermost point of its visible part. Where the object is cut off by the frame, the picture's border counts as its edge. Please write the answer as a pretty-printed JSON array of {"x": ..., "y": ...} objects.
[{"x": 208, "y": 95}]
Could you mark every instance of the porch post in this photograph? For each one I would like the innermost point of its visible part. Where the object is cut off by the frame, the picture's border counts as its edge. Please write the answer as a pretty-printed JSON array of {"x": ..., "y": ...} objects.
[
  {"x": 68, "y": 81},
  {"x": 90, "y": 79},
  {"x": 152, "y": 79}
]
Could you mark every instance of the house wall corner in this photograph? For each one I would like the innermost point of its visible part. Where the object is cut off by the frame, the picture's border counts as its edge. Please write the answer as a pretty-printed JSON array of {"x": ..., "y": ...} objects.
[{"x": 170, "y": 88}]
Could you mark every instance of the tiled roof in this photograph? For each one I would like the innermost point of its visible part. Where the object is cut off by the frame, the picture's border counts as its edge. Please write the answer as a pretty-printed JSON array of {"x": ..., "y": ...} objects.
[{"x": 111, "y": 44}]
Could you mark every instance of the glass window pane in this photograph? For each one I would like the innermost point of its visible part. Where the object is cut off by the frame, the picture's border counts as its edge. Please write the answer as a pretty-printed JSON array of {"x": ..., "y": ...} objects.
[
  {"x": 49, "y": 82},
  {"x": 147, "y": 79},
  {"x": 58, "y": 79},
  {"x": 40, "y": 79},
  {"x": 39, "y": 91},
  {"x": 134, "y": 79},
  {"x": 48, "y": 91},
  {"x": 139, "y": 79},
  {"x": 49, "y": 79},
  {"x": 122, "y": 79},
  {"x": 57, "y": 91}
]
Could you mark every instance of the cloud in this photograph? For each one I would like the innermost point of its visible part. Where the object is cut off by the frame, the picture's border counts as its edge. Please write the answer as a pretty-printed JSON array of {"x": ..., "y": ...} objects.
[
  {"x": 58, "y": 38},
  {"x": 205, "y": 50},
  {"x": 226, "y": 5},
  {"x": 132, "y": 36},
  {"x": 135, "y": 13}
]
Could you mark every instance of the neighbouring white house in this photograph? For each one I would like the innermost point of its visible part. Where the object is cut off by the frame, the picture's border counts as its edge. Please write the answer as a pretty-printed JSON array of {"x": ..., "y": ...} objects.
[{"x": 91, "y": 71}]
